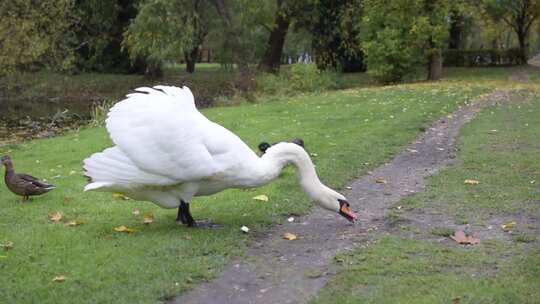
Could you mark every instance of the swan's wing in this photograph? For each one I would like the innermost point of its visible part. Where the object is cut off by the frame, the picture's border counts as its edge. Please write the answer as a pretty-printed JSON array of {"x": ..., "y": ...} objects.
[{"x": 162, "y": 133}]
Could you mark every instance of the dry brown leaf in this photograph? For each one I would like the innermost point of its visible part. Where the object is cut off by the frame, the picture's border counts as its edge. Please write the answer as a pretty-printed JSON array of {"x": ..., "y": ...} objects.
[
  {"x": 262, "y": 198},
  {"x": 289, "y": 236},
  {"x": 380, "y": 181},
  {"x": 56, "y": 216},
  {"x": 124, "y": 229},
  {"x": 148, "y": 218},
  {"x": 59, "y": 279},
  {"x": 460, "y": 237},
  {"x": 471, "y": 182}
]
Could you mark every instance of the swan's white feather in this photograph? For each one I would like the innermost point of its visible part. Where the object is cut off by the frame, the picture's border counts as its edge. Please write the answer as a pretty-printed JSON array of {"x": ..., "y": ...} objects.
[{"x": 166, "y": 150}]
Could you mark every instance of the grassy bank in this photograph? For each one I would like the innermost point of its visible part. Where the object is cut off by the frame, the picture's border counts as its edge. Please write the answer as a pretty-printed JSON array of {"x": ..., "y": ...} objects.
[
  {"x": 349, "y": 131},
  {"x": 500, "y": 149}
]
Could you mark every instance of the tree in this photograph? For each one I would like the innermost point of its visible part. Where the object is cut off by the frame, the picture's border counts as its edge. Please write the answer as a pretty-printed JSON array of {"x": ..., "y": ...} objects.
[
  {"x": 336, "y": 26},
  {"x": 168, "y": 30},
  {"x": 398, "y": 36},
  {"x": 33, "y": 34},
  {"x": 517, "y": 14},
  {"x": 99, "y": 31}
]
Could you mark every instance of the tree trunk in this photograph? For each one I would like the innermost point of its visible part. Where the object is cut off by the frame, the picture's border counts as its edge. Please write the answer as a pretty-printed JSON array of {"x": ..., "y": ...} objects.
[
  {"x": 523, "y": 46},
  {"x": 435, "y": 65},
  {"x": 274, "y": 48},
  {"x": 191, "y": 58}
]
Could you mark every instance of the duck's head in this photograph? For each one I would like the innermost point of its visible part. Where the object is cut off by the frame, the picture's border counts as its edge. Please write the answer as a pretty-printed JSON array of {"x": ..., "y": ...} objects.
[
  {"x": 334, "y": 201},
  {"x": 6, "y": 160}
]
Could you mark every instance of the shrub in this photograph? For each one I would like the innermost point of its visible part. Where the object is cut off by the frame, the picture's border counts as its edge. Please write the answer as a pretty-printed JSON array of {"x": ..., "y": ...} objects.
[{"x": 299, "y": 78}]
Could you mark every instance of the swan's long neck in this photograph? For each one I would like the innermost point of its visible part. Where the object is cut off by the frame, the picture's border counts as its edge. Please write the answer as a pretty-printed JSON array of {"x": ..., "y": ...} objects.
[{"x": 282, "y": 154}]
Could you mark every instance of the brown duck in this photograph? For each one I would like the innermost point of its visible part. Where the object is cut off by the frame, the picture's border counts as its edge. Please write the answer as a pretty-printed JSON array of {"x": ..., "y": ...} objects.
[{"x": 22, "y": 184}]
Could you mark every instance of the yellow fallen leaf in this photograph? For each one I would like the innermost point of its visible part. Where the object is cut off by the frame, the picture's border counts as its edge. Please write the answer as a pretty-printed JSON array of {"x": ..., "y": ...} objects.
[
  {"x": 56, "y": 216},
  {"x": 471, "y": 182},
  {"x": 118, "y": 195},
  {"x": 7, "y": 245},
  {"x": 59, "y": 279},
  {"x": 289, "y": 236},
  {"x": 380, "y": 181},
  {"x": 261, "y": 197},
  {"x": 124, "y": 229},
  {"x": 74, "y": 223},
  {"x": 508, "y": 226},
  {"x": 148, "y": 218}
]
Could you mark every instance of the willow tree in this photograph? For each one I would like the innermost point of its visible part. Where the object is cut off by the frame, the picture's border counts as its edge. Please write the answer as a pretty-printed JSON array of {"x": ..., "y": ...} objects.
[{"x": 169, "y": 30}]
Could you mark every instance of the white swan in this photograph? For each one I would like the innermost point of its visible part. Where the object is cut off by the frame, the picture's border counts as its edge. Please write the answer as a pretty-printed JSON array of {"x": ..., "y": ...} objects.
[{"x": 167, "y": 152}]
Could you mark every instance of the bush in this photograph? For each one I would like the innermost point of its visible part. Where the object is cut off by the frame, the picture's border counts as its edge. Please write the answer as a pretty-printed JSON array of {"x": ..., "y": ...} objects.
[
  {"x": 476, "y": 58},
  {"x": 299, "y": 78}
]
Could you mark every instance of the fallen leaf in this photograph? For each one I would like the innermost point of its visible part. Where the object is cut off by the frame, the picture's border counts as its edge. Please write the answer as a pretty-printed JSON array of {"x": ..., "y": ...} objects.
[
  {"x": 74, "y": 223},
  {"x": 56, "y": 216},
  {"x": 471, "y": 182},
  {"x": 261, "y": 197},
  {"x": 72, "y": 172},
  {"x": 244, "y": 229},
  {"x": 380, "y": 180},
  {"x": 290, "y": 220},
  {"x": 124, "y": 229},
  {"x": 460, "y": 237},
  {"x": 135, "y": 212},
  {"x": 7, "y": 245},
  {"x": 508, "y": 226},
  {"x": 148, "y": 218},
  {"x": 456, "y": 300},
  {"x": 289, "y": 236},
  {"x": 118, "y": 195},
  {"x": 59, "y": 279}
]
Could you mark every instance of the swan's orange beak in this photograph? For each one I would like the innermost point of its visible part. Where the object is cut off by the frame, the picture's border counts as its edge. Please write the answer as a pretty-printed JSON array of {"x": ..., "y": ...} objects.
[{"x": 346, "y": 212}]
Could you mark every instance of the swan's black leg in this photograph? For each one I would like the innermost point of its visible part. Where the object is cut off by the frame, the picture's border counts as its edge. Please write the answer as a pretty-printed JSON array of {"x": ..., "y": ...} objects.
[
  {"x": 184, "y": 215},
  {"x": 181, "y": 217}
]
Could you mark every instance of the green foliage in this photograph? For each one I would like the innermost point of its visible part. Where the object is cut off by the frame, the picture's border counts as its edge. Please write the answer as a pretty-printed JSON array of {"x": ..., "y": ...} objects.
[
  {"x": 485, "y": 57},
  {"x": 299, "y": 78},
  {"x": 398, "y": 36},
  {"x": 35, "y": 33}
]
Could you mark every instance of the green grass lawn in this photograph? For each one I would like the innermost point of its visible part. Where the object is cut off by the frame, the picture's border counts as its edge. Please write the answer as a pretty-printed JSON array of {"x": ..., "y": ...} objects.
[
  {"x": 501, "y": 149},
  {"x": 350, "y": 131}
]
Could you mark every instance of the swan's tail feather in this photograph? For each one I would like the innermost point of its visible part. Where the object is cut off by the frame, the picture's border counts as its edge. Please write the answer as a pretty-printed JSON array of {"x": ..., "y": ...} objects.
[{"x": 113, "y": 169}]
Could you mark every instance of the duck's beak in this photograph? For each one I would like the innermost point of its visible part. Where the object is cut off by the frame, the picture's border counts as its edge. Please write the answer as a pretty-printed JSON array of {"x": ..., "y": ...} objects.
[{"x": 346, "y": 212}]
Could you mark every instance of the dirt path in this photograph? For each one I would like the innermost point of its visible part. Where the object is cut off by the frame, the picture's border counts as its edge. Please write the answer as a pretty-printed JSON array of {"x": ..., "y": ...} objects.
[{"x": 275, "y": 270}]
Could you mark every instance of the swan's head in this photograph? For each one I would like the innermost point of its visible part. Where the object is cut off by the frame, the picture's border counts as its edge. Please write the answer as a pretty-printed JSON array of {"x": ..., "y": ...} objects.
[{"x": 334, "y": 201}]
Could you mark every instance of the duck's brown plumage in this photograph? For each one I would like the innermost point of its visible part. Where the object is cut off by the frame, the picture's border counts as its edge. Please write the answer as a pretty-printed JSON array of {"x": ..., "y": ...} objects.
[{"x": 23, "y": 184}]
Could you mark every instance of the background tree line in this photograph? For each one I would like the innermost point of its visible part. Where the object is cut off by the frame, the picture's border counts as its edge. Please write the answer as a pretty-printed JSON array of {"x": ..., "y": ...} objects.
[{"x": 391, "y": 38}]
